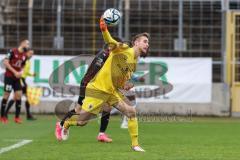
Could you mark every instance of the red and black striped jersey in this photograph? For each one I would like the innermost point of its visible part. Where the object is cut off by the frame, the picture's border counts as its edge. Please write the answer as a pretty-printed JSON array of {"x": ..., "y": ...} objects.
[
  {"x": 16, "y": 60},
  {"x": 95, "y": 66}
]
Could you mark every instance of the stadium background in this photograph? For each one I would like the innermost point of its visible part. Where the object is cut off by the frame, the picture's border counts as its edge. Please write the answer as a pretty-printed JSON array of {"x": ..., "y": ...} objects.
[
  {"x": 181, "y": 29},
  {"x": 178, "y": 28}
]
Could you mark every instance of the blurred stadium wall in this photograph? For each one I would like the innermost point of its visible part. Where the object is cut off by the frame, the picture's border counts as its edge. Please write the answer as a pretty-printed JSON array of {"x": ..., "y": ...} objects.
[{"x": 178, "y": 28}]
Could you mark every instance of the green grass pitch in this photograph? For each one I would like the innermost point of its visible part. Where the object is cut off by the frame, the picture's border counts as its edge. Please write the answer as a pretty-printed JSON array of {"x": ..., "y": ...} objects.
[{"x": 200, "y": 139}]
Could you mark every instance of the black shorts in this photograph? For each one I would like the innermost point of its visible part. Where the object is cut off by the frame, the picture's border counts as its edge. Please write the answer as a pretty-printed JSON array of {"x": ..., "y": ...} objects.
[
  {"x": 12, "y": 84},
  {"x": 24, "y": 86}
]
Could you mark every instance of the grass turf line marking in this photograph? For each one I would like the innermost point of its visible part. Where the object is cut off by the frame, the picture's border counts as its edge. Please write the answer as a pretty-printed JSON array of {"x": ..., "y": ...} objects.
[{"x": 17, "y": 145}]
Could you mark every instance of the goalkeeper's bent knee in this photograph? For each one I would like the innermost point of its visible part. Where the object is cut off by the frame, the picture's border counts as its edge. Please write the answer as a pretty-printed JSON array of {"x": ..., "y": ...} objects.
[{"x": 82, "y": 123}]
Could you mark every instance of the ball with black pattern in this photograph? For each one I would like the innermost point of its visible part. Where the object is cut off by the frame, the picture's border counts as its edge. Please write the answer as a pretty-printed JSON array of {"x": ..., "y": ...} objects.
[{"x": 112, "y": 16}]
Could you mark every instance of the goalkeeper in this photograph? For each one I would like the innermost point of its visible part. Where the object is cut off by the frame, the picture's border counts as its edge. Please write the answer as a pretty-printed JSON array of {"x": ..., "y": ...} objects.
[
  {"x": 104, "y": 88},
  {"x": 93, "y": 69}
]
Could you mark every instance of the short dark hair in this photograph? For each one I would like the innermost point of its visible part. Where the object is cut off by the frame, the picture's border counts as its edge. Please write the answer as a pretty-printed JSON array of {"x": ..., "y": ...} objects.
[{"x": 145, "y": 34}]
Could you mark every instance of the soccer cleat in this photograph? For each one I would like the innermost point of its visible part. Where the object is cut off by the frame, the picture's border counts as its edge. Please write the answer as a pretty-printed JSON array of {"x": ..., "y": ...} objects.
[
  {"x": 17, "y": 120},
  {"x": 31, "y": 118},
  {"x": 4, "y": 120},
  {"x": 124, "y": 125},
  {"x": 137, "y": 149},
  {"x": 58, "y": 131},
  {"x": 102, "y": 137},
  {"x": 64, "y": 133}
]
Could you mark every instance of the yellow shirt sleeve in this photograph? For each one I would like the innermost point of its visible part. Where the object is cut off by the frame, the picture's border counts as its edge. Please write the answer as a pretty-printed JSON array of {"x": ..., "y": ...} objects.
[
  {"x": 26, "y": 70},
  {"x": 112, "y": 42},
  {"x": 108, "y": 38}
]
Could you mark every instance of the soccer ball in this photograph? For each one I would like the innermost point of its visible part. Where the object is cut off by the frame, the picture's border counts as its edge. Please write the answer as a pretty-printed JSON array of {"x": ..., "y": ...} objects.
[{"x": 111, "y": 16}]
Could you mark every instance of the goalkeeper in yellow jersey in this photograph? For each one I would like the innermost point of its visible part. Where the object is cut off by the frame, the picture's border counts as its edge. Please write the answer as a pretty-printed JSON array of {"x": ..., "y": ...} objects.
[
  {"x": 26, "y": 73},
  {"x": 105, "y": 88}
]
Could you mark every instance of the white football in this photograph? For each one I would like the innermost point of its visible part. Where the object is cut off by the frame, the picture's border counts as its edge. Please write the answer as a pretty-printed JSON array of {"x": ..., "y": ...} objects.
[{"x": 111, "y": 16}]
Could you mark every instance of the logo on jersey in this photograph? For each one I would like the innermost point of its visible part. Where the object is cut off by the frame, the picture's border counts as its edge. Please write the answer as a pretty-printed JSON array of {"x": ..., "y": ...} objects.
[
  {"x": 99, "y": 62},
  {"x": 18, "y": 63},
  {"x": 90, "y": 106}
]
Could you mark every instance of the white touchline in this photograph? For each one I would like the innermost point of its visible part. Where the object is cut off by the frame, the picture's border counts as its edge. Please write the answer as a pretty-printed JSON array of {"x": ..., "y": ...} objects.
[{"x": 17, "y": 145}]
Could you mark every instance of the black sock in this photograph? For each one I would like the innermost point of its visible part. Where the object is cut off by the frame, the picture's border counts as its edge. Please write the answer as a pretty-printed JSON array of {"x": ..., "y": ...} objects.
[
  {"x": 18, "y": 108},
  {"x": 27, "y": 106},
  {"x": 9, "y": 106},
  {"x": 3, "y": 106},
  {"x": 68, "y": 115},
  {"x": 104, "y": 121}
]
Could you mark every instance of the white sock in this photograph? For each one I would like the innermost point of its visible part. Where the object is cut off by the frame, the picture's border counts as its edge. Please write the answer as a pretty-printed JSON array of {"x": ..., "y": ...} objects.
[
  {"x": 125, "y": 119},
  {"x": 101, "y": 133}
]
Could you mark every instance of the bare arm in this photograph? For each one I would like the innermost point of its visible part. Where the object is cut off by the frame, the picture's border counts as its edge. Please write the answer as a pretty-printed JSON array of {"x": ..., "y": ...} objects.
[
  {"x": 128, "y": 86},
  {"x": 9, "y": 67}
]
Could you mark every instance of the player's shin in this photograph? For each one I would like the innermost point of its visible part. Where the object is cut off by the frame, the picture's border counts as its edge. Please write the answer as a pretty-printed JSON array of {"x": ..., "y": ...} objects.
[
  {"x": 10, "y": 103},
  {"x": 73, "y": 121},
  {"x": 133, "y": 130},
  {"x": 3, "y": 106},
  {"x": 18, "y": 108},
  {"x": 68, "y": 115},
  {"x": 104, "y": 121}
]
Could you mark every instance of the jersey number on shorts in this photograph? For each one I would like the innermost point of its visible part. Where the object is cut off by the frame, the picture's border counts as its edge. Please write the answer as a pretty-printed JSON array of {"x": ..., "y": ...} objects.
[{"x": 8, "y": 87}]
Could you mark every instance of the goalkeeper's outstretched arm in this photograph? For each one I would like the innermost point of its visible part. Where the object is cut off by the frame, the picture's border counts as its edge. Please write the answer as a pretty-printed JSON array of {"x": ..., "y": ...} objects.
[{"x": 106, "y": 35}]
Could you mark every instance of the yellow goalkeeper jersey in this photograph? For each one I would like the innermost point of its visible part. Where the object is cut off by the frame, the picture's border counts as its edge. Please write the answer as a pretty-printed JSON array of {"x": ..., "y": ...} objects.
[
  {"x": 26, "y": 70},
  {"x": 117, "y": 69}
]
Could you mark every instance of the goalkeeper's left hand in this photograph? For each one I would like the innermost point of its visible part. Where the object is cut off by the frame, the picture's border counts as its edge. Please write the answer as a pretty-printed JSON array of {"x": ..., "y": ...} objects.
[{"x": 103, "y": 25}]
